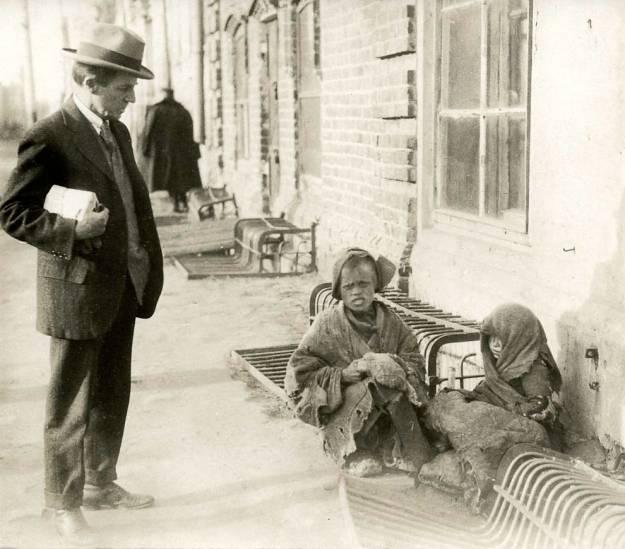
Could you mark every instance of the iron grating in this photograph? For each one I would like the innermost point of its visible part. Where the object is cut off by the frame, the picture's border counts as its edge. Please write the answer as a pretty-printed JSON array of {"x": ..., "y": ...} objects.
[
  {"x": 267, "y": 365},
  {"x": 545, "y": 500},
  {"x": 434, "y": 328}
]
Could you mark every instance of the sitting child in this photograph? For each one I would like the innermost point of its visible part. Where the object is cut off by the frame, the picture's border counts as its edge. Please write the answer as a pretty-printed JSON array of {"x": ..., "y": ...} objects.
[
  {"x": 521, "y": 374},
  {"x": 515, "y": 403},
  {"x": 358, "y": 375}
]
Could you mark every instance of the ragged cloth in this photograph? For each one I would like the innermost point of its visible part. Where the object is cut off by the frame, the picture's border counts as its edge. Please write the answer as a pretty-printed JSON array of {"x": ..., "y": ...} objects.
[
  {"x": 480, "y": 434},
  {"x": 524, "y": 344}
]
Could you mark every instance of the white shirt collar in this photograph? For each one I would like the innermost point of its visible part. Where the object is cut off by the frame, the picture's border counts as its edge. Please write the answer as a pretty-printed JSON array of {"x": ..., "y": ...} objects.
[{"x": 92, "y": 117}]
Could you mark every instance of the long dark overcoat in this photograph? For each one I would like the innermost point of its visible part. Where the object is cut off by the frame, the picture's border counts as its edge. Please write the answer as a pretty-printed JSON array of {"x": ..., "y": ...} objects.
[
  {"x": 169, "y": 151},
  {"x": 78, "y": 290}
]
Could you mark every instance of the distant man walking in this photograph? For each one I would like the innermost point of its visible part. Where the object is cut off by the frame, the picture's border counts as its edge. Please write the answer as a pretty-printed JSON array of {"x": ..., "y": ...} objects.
[
  {"x": 94, "y": 276},
  {"x": 169, "y": 150}
]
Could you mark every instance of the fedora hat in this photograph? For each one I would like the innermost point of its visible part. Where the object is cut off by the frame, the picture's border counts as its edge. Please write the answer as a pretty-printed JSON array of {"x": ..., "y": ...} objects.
[{"x": 113, "y": 47}]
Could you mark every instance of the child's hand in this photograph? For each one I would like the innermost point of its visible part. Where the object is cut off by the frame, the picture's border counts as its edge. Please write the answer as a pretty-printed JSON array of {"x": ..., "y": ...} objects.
[{"x": 349, "y": 376}]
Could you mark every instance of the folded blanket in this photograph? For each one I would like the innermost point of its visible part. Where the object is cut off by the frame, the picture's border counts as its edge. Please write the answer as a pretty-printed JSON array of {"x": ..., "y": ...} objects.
[{"x": 384, "y": 370}]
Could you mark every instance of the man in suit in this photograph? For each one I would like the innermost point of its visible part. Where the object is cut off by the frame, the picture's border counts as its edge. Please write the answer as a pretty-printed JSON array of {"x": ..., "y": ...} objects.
[{"x": 94, "y": 276}]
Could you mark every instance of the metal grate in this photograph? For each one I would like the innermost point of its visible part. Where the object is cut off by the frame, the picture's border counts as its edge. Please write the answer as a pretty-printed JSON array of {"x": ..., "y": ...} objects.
[
  {"x": 267, "y": 365},
  {"x": 549, "y": 500},
  {"x": 545, "y": 500},
  {"x": 262, "y": 247}
]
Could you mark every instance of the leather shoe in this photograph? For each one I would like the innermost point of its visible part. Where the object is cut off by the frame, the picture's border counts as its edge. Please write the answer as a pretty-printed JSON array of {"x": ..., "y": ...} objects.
[
  {"x": 113, "y": 496},
  {"x": 72, "y": 527}
]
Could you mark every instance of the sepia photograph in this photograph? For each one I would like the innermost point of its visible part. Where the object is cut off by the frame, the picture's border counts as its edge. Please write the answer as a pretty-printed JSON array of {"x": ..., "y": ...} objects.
[{"x": 312, "y": 274}]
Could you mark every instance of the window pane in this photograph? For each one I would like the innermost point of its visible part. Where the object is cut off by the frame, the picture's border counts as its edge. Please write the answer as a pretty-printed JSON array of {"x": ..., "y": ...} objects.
[
  {"x": 242, "y": 130},
  {"x": 309, "y": 142},
  {"x": 505, "y": 169},
  {"x": 240, "y": 74},
  {"x": 460, "y": 164},
  {"x": 240, "y": 93},
  {"x": 507, "y": 52},
  {"x": 460, "y": 75}
]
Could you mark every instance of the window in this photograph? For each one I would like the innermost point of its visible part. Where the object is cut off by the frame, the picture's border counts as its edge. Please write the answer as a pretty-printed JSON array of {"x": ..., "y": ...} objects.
[
  {"x": 309, "y": 89},
  {"x": 240, "y": 93},
  {"x": 481, "y": 116}
]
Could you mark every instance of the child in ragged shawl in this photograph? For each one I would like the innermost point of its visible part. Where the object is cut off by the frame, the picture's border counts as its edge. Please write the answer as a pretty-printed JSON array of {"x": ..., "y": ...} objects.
[
  {"x": 514, "y": 404},
  {"x": 521, "y": 374},
  {"x": 358, "y": 374}
]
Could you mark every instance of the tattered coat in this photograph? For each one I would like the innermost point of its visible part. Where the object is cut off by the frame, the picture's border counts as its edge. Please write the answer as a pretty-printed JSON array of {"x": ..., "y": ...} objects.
[{"x": 313, "y": 378}]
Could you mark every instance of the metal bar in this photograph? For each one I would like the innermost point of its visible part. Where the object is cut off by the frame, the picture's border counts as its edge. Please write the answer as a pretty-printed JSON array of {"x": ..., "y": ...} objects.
[
  {"x": 486, "y": 111},
  {"x": 267, "y": 350},
  {"x": 410, "y": 313},
  {"x": 460, "y": 5}
]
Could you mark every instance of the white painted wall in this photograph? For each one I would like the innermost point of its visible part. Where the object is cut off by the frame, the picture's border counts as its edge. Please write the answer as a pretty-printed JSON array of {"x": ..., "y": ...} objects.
[{"x": 577, "y": 199}]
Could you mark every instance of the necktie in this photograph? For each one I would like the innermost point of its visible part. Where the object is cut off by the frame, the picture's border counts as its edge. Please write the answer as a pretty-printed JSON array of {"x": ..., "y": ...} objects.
[
  {"x": 138, "y": 261},
  {"x": 114, "y": 155}
]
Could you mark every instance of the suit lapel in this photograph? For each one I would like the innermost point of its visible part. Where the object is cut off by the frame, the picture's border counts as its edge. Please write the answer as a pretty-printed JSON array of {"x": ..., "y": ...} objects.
[
  {"x": 85, "y": 138},
  {"x": 139, "y": 189}
]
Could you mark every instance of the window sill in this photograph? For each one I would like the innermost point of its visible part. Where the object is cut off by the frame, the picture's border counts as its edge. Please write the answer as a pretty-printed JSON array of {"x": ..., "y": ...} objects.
[{"x": 512, "y": 231}]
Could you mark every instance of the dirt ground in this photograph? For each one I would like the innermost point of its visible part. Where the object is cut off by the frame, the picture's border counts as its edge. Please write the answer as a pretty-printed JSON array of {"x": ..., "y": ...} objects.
[
  {"x": 228, "y": 465},
  {"x": 8, "y": 151}
]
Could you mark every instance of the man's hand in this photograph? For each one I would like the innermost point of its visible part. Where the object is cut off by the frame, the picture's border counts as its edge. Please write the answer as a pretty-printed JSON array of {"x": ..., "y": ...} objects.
[
  {"x": 88, "y": 247},
  {"x": 92, "y": 225}
]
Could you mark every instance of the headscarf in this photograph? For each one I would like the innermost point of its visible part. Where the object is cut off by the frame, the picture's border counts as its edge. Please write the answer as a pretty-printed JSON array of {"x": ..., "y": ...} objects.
[
  {"x": 523, "y": 342},
  {"x": 384, "y": 269}
]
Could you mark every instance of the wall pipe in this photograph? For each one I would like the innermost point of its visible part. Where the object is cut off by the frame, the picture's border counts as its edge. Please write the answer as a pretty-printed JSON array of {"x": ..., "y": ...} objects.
[
  {"x": 198, "y": 50},
  {"x": 166, "y": 46}
]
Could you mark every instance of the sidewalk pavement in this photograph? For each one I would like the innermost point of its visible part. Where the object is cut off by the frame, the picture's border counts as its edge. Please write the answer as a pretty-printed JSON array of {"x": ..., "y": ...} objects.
[{"x": 228, "y": 465}]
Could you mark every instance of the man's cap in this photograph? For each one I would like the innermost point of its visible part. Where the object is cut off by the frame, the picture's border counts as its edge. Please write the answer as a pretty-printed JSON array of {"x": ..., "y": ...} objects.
[
  {"x": 113, "y": 47},
  {"x": 384, "y": 268}
]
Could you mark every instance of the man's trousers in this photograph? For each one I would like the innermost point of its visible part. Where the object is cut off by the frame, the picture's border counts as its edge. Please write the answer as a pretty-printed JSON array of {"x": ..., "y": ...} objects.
[{"x": 86, "y": 408}]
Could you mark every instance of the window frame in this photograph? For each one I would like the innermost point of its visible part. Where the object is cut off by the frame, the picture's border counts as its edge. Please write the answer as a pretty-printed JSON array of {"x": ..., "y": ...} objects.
[
  {"x": 479, "y": 222},
  {"x": 241, "y": 100},
  {"x": 308, "y": 92}
]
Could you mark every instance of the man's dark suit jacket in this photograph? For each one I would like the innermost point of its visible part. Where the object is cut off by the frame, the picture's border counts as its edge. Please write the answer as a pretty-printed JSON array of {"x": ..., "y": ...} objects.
[{"x": 78, "y": 291}]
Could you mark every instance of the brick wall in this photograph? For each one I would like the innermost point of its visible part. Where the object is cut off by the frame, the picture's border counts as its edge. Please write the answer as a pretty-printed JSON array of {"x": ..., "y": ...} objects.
[{"x": 366, "y": 192}]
